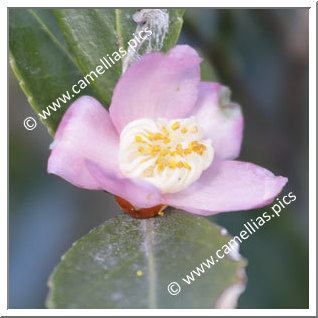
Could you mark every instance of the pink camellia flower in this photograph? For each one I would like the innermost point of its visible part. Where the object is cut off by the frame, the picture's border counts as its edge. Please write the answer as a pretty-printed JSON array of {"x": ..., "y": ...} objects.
[{"x": 168, "y": 140}]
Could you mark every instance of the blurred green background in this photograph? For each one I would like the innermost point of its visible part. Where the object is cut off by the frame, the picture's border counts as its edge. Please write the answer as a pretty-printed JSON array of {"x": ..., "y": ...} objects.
[{"x": 262, "y": 55}]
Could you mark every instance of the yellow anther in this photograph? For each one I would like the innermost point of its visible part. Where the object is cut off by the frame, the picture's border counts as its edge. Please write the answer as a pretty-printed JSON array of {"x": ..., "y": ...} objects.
[
  {"x": 187, "y": 166},
  {"x": 158, "y": 136},
  {"x": 141, "y": 149},
  {"x": 172, "y": 164},
  {"x": 156, "y": 148},
  {"x": 184, "y": 130},
  {"x": 179, "y": 149},
  {"x": 175, "y": 126},
  {"x": 180, "y": 164},
  {"x": 165, "y": 130},
  {"x": 152, "y": 151},
  {"x": 199, "y": 149},
  {"x": 164, "y": 152},
  {"x": 160, "y": 167},
  {"x": 193, "y": 144},
  {"x": 166, "y": 140},
  {"x": 139, "y": 139},
  {"x": 173, "y": 153},
  {"x": 187, "y": 151}
]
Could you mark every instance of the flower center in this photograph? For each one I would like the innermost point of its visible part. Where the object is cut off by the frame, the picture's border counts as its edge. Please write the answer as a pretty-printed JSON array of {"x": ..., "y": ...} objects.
[{"x": 170, "y": 154}]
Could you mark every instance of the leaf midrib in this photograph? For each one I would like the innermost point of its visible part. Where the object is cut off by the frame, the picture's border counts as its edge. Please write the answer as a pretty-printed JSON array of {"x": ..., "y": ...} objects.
[
  {"x": 148, "y": 230},
  {"x": 118, "y": 27}
]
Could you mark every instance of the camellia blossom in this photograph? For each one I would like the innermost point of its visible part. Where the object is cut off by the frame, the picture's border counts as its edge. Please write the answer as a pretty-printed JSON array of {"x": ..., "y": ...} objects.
[{"x": 168, "y": 140}]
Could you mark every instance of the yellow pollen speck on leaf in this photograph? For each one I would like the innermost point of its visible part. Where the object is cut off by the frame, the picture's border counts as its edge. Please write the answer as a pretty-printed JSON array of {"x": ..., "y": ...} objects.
[
  {"x": 139, "y": 273},
  {"x": 161, "y": 213},
  {"x": 175, "y": 126}
]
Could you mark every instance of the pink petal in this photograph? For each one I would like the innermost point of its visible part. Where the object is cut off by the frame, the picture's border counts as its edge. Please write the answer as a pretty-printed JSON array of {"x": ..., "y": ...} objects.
[
  {"x": 85, "y": 132},
  {"x": 228, "y": 186},
  {"x": 139, "y": 193},
  {"x": 221, "y": 119},
  {"x": 158, "y": 85}
]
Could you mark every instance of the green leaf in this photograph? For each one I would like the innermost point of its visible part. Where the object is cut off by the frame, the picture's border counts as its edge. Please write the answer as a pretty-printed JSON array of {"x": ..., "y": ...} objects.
[
  {"x": 103, "y": 269},
  {"x": 95, "y": 36},
  {"x": 175, "y": 25},
  {"x": 208, "y": 72},
  {"x": 41, "y": 60},
  {"x": 47, "y": 67}
]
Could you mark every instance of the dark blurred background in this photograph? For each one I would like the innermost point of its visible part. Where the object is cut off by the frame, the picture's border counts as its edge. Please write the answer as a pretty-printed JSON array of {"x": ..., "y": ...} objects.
[{"x": 262, "y": 55}]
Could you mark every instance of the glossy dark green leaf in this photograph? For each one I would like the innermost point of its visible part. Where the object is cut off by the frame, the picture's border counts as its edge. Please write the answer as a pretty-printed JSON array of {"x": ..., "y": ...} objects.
[
  {"x": 41, "y": 61},
  {"x": 47, "y": 67},
  {"x": 128, "y": 263},
  {"x": 95, "y": 36},
  {"x": 175, "y": 25},
  {"x": 208, "y": 72}
]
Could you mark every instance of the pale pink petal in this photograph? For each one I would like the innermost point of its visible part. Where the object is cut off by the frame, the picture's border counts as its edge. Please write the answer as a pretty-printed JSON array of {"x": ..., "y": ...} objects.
[
  {"x": 85, "y": 132},
  {"x": 228, "y": 186},
  {"x": 158, "y": 85},
  {"x": 221, "y": 119},
  {"x": 139, "y": 193}
]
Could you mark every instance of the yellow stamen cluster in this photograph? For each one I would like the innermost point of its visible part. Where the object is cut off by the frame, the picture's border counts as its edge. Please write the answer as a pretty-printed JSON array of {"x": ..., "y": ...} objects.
[
  {"x": 157, "y": 146},
  {"x": 184, "y": 130},
  {"x": 194, "y": 146},
  {"x": 170, "y": 154}
]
